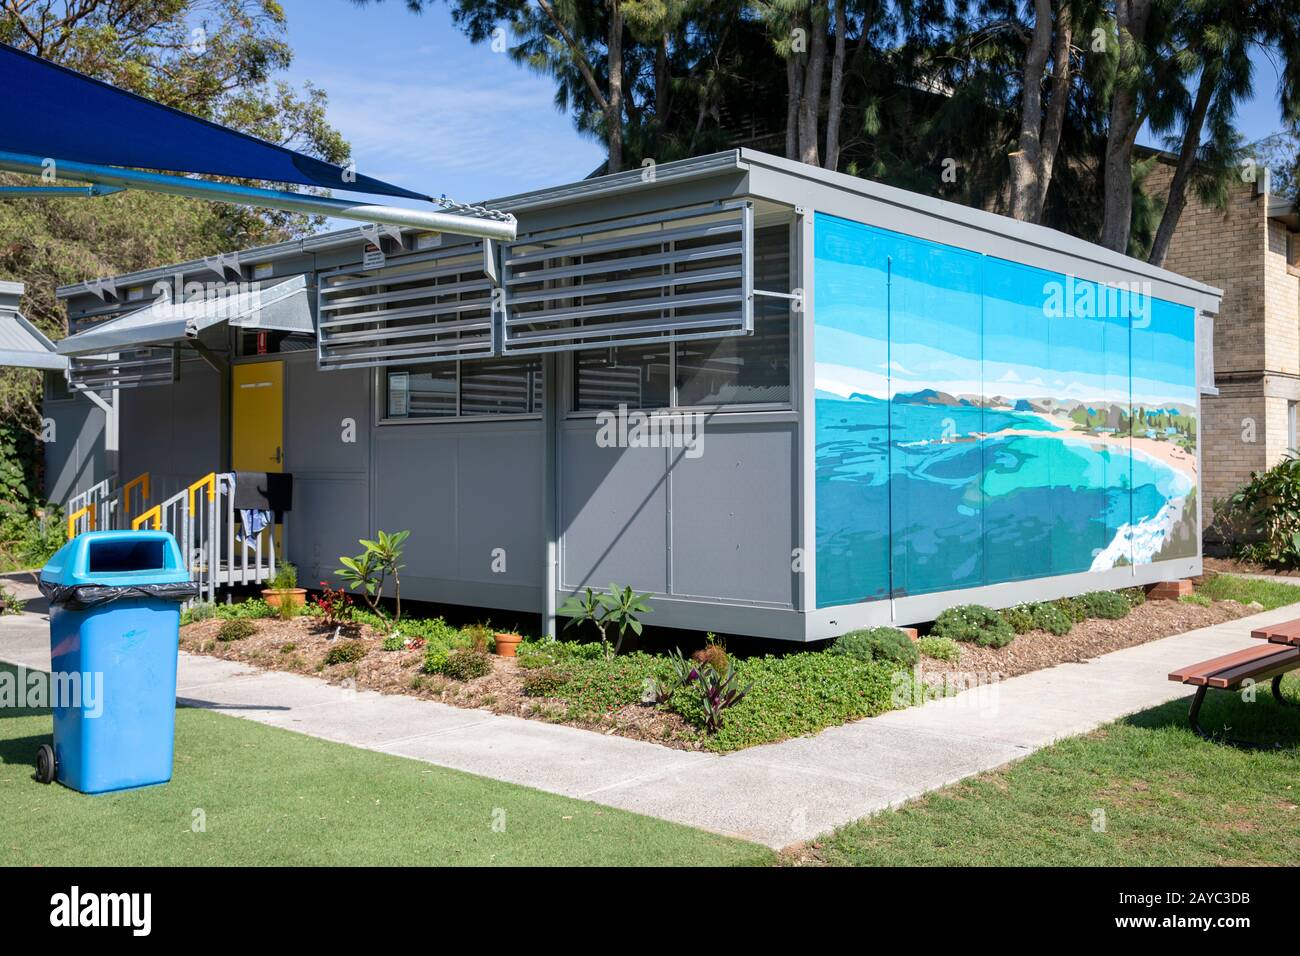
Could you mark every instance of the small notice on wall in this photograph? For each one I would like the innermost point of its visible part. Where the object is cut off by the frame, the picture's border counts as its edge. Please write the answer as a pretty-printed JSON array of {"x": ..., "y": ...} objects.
[
  {"x": 399, "y": 390},
  {"x": 373, "y": 257}
]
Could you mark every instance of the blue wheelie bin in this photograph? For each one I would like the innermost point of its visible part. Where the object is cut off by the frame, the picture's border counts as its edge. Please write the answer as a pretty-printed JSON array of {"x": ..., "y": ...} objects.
[{"x": 115, "y": 600}]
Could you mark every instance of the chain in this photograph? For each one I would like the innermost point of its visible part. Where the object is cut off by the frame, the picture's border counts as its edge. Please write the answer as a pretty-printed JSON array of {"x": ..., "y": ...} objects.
[{"x": 468, "y": 209}]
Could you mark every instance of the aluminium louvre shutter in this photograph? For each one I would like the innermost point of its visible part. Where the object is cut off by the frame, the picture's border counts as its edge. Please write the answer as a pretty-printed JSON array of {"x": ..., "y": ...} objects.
[
  {"x": 425, "y": 307},
  {"x": 134, "y": 369},
  {"x": 679, "y": 275}
]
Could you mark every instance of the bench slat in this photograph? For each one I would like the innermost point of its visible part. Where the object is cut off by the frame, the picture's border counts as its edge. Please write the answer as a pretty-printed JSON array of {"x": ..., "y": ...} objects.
[
  {"x": 1200, "y": 672},
  {"x": 1288, "y": 632},
  {"x": 1286, "y": 659}
]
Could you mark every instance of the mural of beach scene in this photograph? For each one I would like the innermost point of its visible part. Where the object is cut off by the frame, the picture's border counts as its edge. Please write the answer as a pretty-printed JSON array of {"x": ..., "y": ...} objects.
[{"x": 981, "y": 421}]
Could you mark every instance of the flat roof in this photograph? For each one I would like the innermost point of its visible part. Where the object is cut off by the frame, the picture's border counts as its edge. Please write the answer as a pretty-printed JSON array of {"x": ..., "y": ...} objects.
[{"x": 713, "y": 165}]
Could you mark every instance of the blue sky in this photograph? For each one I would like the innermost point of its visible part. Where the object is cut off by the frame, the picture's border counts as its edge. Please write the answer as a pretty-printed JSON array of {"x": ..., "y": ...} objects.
[{"x": 426, "y": 109}]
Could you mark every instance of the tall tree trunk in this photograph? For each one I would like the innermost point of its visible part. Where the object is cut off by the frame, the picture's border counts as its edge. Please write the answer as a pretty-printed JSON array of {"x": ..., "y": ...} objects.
[
  {"x": 810, "y": 107},
  {"x": 794, "y": 97},
  {"x": 835, "y": 104},
  {"x": 661, "y": 81},
  {"x": 1131, "y": 20},
  {"x": 614, "y": 110},
  {"x": 1024, "y": 161},
  {"x": 1056, "y": 106},
  {"x": 1177, "y": 200}
]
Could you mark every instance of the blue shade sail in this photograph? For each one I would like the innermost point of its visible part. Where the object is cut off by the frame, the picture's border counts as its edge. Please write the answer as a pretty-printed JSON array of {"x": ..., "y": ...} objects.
[{"x": 51, "y": 111}]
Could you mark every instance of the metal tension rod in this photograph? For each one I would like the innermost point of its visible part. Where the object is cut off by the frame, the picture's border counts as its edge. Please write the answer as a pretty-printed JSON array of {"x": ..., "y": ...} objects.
[
  {"x": 84, "y": 192},
  {"x": 485, "y": 228}
]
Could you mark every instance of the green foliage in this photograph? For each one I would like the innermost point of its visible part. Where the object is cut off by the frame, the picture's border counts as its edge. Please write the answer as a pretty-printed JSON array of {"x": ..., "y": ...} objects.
[
  {"x": 940, "y": 648},
  {"x": 236, "y": 629},
  {"x": 28, "y": 540},
  {"x": 1260, "y": 522},
  {"x": 346, "y": 652},
  {"x": 10, "y": 603},
  {"x": 435, "y": 658},
  {"x": 619, "y": 608},
  {"x": 1134, "y": 596},
  {"x": 1050, "y": 616},
  {"x": 974, "y": 623},
  {"x": 368, "y": 571},
  {"x": 201, "y": 611},
  {"x": 1073, "y": 608},
  {"x": 548, "y": 651},
  {"x": 1107, "y": 605},
  {"x": 286, "y": 577},
  {"x": 394, "y": 642},
  {"x": 1020, "y": 617},
  {"x": 465, "y": 664},
  {"x": 877, "y": 644},
  {"x": 1200, "y": 600},
  {"x": 1231, "y": 587},
  {"x": 544, "y": 682}
]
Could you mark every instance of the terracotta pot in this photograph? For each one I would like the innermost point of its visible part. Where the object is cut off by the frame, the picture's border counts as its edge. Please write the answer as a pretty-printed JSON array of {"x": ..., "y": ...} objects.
[
  {"x": 507, "y": 644},
  {"x": 296, "y": 597}
]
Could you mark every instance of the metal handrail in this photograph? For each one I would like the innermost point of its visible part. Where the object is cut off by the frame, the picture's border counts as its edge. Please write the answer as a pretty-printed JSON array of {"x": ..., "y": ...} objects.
[
  {"x": 91, "y": 510},
  {"x": 154, "y": 513},
  {"x": 141, "y": 482}
]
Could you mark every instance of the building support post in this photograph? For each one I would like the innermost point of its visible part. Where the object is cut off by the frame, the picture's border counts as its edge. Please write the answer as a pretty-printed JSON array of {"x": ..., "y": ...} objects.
[{"x": 550, "y": 491}]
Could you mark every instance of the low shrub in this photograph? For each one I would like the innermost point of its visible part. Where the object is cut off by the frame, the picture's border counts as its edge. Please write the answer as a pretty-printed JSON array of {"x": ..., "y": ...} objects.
[
  {"x": 549, "y": 651},
  {"x": 394, "y": 642},
  {"x": 544, "y": 682},
  {"x": 940, "y": 648},
  {"x": 251, "y": 609},
  {"x": 1134, "y": 596},
  {"x": 466, "y": 664},
  {"x": 1052, "y": 618},
  {"x": 346, "y": 652},
  {"x": 1020, "y": 617},
  {"x": 714, "y": 656},
  {"x": 974, "y": 623},
  {"x": 1260, "y": 521},
  {"x": 288, "y": 648},
  {"x": 476, "y": 637},
  {"x": 236, "y": 629},
  {"x": 1073, "y": 608},
  {"x": 877, "y": 644},
  {"x": 202, "y": 611},
  {"x": 435, "y": 657},
  {"x": 10, "y": 603},
  {"x": 286, "y": 577},
  {"x": 1107, "y": 605}
]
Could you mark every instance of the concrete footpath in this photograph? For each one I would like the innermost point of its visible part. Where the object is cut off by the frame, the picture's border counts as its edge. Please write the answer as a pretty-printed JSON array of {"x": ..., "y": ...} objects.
[{"x": 777, "y": 794}]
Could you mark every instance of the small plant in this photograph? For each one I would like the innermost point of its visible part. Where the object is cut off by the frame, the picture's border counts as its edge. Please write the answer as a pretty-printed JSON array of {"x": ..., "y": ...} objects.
[
  {"x": 435, "y": 658},
  {"x": 877, "y": 644},
  {"x": 714, "y": 656},
  {"x": 544, "y": 682},
  {"x": 465, "y": 664},
  {"x": 1020, "y": 617},
  {"x": 620, "y": 608},
  {"x": 346, "y": 652},
  {"x": 236, "y": 629},
  {"x": 1107, "y": 605},
  {"x": 1073, "y": 609},
  {"x": 394, "y": 642},
  {"x": 1134, "y": 596},
  {"x": 368, "y": 571},
  {"x": 286, "y": 577},
  {"x": 974, "y": 623},
  {"x": 334, "y": 606},
  {"x": 1260, "y": 522},
  {"x": 10, "y": 603},
  {"x": 940, "y": 648},
  {"x": 1200, "y": 600},
  {"x": 1052, "y": 618},
  {"x": 201, "y": 611},
  {"x": 719, "y": 693},
  {"x": 288, "y": 648},
  {"x": 476, "y": 637}
]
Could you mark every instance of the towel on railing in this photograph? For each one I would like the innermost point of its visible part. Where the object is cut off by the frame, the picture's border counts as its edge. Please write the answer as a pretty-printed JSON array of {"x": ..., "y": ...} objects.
[
  {"x": 254, "y": 521},
  {"x": 264, "y": 491}
]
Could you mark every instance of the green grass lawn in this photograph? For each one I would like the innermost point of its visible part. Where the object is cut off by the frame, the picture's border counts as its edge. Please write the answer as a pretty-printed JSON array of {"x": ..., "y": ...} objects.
[
  {"x": 1271, "y": 594},
  {"x": 1168, "y": 798},
  {"x": 270, "y": 796}
]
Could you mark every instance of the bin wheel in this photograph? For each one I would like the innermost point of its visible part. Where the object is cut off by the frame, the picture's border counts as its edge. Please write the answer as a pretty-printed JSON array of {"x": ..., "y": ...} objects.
[{"x": 45, "y": 763}]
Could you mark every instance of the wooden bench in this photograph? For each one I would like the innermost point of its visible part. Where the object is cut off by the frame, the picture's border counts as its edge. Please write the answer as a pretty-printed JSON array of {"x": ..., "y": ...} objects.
[{"x": 1231, "y": 671}]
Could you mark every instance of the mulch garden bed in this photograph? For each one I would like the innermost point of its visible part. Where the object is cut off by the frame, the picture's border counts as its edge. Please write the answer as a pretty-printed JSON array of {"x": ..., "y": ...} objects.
[
  {"x": 1035, "y": 650},
  {"x": 1234, "y": 566},
  {"x": 301, "y": 645}
]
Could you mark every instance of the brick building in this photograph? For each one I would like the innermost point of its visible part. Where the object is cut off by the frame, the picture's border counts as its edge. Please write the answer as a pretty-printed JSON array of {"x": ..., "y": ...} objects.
[{"x": 1250, "y": 249}]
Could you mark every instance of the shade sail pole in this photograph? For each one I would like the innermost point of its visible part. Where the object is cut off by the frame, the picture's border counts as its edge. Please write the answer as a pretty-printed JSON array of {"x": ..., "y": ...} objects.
[{"x": 484, "y": 228}]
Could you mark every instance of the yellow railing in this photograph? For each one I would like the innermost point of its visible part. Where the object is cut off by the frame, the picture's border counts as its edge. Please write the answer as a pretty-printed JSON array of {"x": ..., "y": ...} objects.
[
  {"x": 211, "y": 481},
  {"x": 154, "y": 513},
  {"x": 90, "y": 509},
  {"x": 140, "y": 481}
]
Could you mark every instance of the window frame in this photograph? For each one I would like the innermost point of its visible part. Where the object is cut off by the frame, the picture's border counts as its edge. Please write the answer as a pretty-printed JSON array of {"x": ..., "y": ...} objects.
[{"x": 379, "y": 384}]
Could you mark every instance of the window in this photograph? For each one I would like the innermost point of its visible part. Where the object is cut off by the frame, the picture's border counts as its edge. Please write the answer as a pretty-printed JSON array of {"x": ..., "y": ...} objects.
[
  {"x": 451, "y": 389},
  {"x": 733, "y": 370},
  {"x": 272, "y": 342}
]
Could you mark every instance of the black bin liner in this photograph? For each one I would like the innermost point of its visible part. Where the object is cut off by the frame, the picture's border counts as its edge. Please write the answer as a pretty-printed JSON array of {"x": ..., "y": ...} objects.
[{"x": 83, "y": 597}]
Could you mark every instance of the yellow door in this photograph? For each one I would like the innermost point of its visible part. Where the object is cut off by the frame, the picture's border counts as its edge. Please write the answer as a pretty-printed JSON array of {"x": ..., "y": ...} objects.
[{"x": 257, "y": 417}]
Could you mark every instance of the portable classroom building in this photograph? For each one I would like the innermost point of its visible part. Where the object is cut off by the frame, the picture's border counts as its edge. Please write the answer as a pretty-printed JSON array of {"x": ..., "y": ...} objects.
[{"x": 869, "y": 405}]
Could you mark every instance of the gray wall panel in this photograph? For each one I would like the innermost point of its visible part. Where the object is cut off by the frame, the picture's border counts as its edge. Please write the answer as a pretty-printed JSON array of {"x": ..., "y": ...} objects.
[
  {"x": 316, "y": 404},
  {"x": 76, "y": 459},
  {"x": 172, "y": 431},
  {"x": 734, "y": 516},
  {"x": 328, "y": 517},
  {"x": 613, "y": 513},
  {"x": 499, "y": 505}
]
